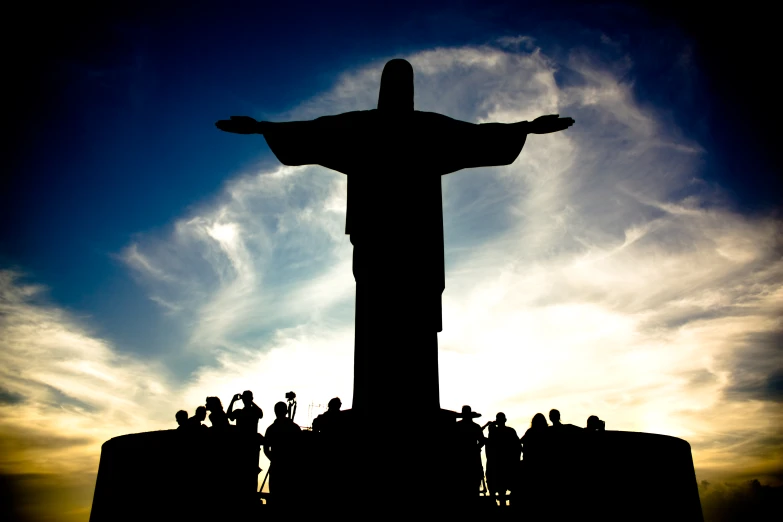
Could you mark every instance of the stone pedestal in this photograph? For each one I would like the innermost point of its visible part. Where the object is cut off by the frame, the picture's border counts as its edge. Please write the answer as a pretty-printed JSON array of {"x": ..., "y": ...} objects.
[{"x": 387, "y": 465}]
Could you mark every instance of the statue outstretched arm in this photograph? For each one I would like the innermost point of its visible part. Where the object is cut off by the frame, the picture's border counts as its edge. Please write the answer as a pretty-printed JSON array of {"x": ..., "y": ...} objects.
[
  {"x": 241, "y": 125},
  {"x": 464, "y": 145},
  {"x": 322, "y": 141}
]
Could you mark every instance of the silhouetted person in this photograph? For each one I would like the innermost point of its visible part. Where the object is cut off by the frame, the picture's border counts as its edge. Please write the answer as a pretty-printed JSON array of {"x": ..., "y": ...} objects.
[
  {"x": 247, "y": 424},
  {"x": 194, "y": 423},
  {"x": 554, "y": 418},
  {"x": 217, "y": 416},
  {"x": 246, "y": 418},
  {"x": 562, "y": 432},
  {"x": 182, "y": 419},
  {"x": 333, "y": 444},
  {"x": 535, "y": 479},
  {"x": 595, "y": 424},
  {"x": 503, "y": 452},
  {"x": 534, "y": 441},
  {"x": 561, "y": 435},
  {"x": 281, "y": 446},
  {"x": 329, "y": 421},
  {"x": 394, "y": 157},
  {"x": 469, "y": 441}
]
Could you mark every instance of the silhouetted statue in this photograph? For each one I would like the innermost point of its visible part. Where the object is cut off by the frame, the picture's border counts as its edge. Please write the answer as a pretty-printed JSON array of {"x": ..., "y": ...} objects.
[
  {"x": 595, "y": 424},
  {"x": 394, "y": 157},
  {"x": 503, "y": 453},
  {"x": 182, "y": 419},
  {"x": 246, "y": 418},
  {"x": 469, "y": 441},
  {"x": 194, "y": 423},
  {"x": 281, "y": 446},
  {"x": 217, "y": 416}
]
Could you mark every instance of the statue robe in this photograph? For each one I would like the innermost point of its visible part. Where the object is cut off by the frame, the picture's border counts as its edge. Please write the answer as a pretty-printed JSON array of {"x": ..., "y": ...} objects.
[{"x": 395, "y": 221}]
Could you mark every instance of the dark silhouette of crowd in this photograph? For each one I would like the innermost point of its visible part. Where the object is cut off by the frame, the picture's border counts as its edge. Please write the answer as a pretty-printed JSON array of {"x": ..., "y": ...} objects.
[{"x": 515, "y": 466}]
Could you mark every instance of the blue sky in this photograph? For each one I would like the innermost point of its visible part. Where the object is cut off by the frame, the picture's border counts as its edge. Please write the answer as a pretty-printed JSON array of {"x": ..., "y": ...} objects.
[{"x": 148, "y": 260}]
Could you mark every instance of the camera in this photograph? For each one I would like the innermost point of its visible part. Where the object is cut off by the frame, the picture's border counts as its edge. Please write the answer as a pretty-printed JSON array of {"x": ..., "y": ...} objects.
[{"x": 290, "y": 396}]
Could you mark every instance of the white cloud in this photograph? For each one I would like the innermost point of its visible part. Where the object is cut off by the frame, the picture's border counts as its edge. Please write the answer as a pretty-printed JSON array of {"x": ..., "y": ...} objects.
[
  {"x": 579, "y": 277},
  {"x": 575, "y": 277},
  {"x": 69, "y": 386}
]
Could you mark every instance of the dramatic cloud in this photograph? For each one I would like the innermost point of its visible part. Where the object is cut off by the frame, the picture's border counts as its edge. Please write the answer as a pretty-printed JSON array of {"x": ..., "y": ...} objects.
[
  {"x": 65, "y": 392},
  {"x": 598, "y": 274}
]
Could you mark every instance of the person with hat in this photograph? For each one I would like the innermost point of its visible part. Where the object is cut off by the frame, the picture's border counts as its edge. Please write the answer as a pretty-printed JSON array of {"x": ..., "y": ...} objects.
[{"x": 469, "y": 441}]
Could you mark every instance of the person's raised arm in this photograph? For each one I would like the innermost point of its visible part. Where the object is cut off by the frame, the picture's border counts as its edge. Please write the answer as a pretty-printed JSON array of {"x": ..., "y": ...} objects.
[{"x": 230, "y": 413}]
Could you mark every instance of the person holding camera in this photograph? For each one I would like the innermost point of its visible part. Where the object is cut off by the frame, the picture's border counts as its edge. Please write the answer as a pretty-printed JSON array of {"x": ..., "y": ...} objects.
[
  {"x": 250, "y": 440},
  {"x": 246, "y": 418},
  {"x": 503, "y": 453}
]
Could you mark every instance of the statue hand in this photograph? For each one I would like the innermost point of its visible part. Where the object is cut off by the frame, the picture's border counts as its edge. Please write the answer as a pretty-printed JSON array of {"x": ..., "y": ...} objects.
[
  {"x": 239, "y": 125},
  {"x": 549, "y": 123}
]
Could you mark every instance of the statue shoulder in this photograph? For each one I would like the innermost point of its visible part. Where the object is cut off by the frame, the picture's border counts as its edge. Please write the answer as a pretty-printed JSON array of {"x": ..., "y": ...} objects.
[
  {"x": 434, "y": 119},
  {"x": 347, "y": 120}
]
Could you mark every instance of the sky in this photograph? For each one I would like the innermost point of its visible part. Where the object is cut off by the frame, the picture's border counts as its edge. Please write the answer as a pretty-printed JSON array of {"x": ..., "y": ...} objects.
[{"x": 629, "y": 267}]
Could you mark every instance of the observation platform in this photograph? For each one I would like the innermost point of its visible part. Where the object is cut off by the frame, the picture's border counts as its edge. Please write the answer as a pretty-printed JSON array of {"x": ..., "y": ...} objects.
[{"x": 210, "y": 475}]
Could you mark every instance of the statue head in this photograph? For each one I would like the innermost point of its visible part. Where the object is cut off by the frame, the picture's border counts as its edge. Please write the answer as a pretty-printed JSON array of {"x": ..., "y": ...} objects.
[{"x": 396, "y": 94}]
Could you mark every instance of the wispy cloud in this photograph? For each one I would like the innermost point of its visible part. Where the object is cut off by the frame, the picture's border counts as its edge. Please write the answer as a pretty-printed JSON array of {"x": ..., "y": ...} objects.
[
  {"x": 598, "y": 274},
  {"x": 68, "y": 390}
]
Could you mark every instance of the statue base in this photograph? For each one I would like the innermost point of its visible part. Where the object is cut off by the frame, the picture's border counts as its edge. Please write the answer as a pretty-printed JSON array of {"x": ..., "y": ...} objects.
[{"x": 391, "y": 466}]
